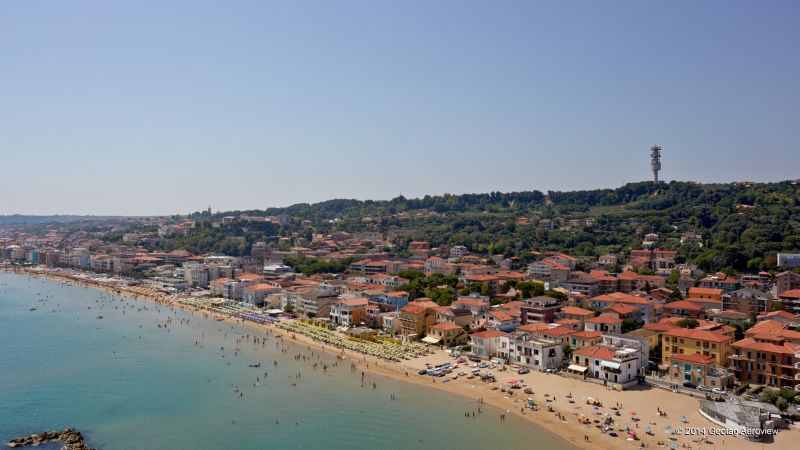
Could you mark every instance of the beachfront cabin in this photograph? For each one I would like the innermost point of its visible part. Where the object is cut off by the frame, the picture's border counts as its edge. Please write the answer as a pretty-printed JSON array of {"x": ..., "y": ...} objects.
[{"x": 363, "y": 333}]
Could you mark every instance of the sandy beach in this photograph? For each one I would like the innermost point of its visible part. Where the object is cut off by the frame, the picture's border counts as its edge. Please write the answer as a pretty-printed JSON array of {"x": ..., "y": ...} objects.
[{"x": 638, "y": 408}]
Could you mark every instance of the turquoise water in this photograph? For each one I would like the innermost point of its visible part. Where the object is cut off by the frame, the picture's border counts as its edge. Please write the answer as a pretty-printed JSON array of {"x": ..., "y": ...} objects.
[{"x": 133, "y": 381}]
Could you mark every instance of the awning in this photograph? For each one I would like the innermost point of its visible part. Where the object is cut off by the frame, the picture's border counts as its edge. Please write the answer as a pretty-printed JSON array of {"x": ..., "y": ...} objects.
[
  {"x": 609, "y": 364},
  {"x": 431, "y": 340},
  {"x": 577, "y": 368}
]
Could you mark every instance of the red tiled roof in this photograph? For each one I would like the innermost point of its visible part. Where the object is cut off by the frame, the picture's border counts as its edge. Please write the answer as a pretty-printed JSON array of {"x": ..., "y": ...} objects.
[
  {"x": 785, "y": 314},
  {"x": 558, "y": 331},
  {"x": 620, "y": 308},
  {"x": 793, "y": 294},
  {"x": 701, "y": 335},
  {"x": 445, "y": 326},
  {"x": 533, "y": 327},
  {"x": 660, "y": 327},
  {"x": 587, "y": 334},
  {"x": 683, "y": 304},
  {"x": 696, "y": 358},
  {"x": 706, "y": 291},
  {"x": 576, "y": 311},
  {"x": 488, "y": 334},
  {"x": 595, "y": 351},
  {"x": 360, "y": 301},
  {"x": 604, "y": 319},
  {"x": 500, "y": 315},
  {"x": 778, "y": 346}
]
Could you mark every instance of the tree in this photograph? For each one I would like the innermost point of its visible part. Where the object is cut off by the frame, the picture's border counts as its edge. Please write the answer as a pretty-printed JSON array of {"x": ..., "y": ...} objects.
[
  {"x": 530, "y": 289},
  {"x": 556, "y": 295},
  {"x": 629, "y": 325},
  {"x": 687, "y": 323}
]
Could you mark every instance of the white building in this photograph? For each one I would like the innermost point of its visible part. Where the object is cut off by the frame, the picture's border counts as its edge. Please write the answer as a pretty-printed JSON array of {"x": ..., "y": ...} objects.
[
  {"x": 611, "y": 364},
  {"x": 530, "y": 351},
  {"x": 348, "y": 312},
  {"x": 195, "y": 274},
  {"x": 458, "y": 251},
  {"x": 788, "y": 260}
]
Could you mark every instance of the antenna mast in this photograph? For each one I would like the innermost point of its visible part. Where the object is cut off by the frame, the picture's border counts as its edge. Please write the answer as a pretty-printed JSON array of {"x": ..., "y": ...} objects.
[{"x": 655, "y": 162}]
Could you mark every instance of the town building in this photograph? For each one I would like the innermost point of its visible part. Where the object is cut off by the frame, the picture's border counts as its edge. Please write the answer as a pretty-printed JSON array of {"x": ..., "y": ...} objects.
[
  {"x": 531, "y": 351},
  {"x": 699, "y": 370},
  {"x": 766, "y": 359},
  {"x": 446, "y": 334},
  {"x": 686, "y": 341}
]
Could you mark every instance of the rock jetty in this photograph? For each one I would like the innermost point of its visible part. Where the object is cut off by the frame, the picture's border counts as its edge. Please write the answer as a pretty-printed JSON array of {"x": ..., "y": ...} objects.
[{"x": 72, "y": 439}]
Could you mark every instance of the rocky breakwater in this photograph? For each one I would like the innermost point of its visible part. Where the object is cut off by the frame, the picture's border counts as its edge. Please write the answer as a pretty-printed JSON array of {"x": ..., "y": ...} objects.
[{"x": 70, "y": 437}]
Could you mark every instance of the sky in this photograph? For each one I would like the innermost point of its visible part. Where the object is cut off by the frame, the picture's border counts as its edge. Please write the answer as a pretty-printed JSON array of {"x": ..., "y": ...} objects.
[{"x": 154, "y": 107}]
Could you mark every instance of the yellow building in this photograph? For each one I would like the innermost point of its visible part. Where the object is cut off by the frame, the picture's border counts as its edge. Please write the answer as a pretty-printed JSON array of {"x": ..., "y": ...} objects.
[
  {"x": 446, "y": 334},
  {"x": 686, "y": 341},
  {"x": 584, "y": 339}
]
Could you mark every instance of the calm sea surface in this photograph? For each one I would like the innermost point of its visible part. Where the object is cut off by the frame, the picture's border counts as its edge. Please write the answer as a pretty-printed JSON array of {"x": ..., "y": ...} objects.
[{"x": 133, "y": 381}]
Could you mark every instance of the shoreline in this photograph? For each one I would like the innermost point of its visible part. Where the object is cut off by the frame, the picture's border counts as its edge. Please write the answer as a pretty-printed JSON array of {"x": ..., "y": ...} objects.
[{"x": 547, "y": 388}]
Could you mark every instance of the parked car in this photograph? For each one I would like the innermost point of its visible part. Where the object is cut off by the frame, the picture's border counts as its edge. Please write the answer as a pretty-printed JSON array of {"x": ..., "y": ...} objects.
[
  {"x": 703, "y": 388},
  {"x": 689, "y": 385},
  {"x": 718, "y": 391},
  {"x": 523, "y": 370},
  {"x": 552, "y": 370}
]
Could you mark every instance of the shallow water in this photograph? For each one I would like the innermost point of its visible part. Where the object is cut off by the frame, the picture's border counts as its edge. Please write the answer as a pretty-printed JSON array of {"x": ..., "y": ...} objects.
[{"x": 128, "y": 383}]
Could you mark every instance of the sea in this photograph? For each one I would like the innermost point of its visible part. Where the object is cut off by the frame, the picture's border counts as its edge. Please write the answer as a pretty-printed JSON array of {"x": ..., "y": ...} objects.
[{"x": 146, "y": 376}]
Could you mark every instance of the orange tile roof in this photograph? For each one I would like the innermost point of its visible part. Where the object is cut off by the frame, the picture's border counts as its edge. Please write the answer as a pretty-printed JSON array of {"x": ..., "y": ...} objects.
[
  {"x": 696, "y": 358},
  {"x": 488, "y": 334},
  {"x": 702, "y": 290},
  {"x": 413, "y": 308},
  {"x": 595, "y": 351},
  {"x": 558, "y": 331},
  {"x": 785, "y": 314},
  {"x": 683, "y": 304},
  {"x": 778, "y": 346},
  {"x": 248, "y": 276},
  {"x": 660, "y": 327},
  {"x": 500, "y": 315},
  {"x": 793, "y": 294},
  {"x": 587, "y": 334},
  {"x": 533, "y": 327},
  {"x": 609, "y": 320},
  {"x": 360, "y": 301},
  {"x": 445, "y": 326},
  {"x": 620, "y": 308},
  {"x": 576, "y": 311},
  {"x": 701, "y": 335}
]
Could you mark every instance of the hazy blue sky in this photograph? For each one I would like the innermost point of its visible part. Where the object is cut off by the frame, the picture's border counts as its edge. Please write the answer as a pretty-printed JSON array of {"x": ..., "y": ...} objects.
[{"x": 145, "y": 107}]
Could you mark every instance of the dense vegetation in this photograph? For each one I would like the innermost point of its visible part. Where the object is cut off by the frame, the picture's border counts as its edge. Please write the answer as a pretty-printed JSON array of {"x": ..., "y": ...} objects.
[{"x": 743, "y": 226}]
